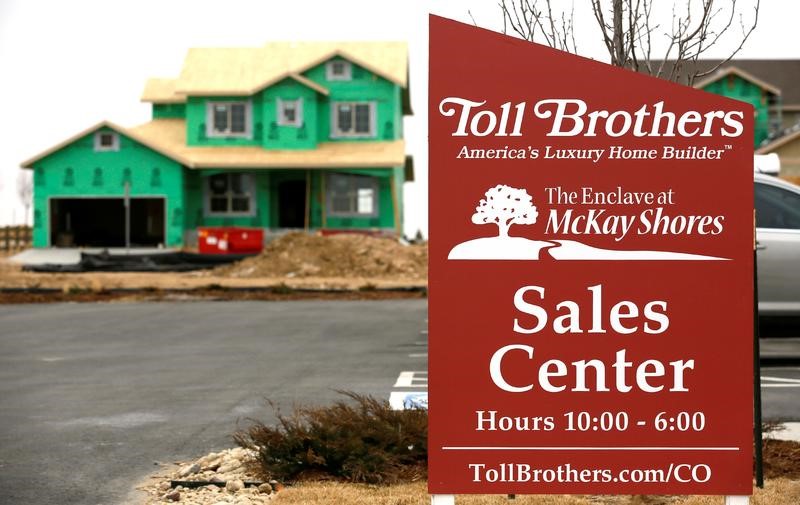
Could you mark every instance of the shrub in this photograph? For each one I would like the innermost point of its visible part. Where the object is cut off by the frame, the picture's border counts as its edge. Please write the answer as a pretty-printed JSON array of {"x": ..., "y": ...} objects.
[
  {"x": 360, "y": 440},
  {"x": 282, "y": 289}
]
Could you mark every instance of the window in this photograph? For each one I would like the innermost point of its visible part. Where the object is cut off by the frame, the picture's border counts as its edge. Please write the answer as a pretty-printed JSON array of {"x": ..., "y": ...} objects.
[
  {"x": 338, "y": 70},
  {"x": 777, "y": 208},
  {"x": 228, "y": 119},
  {"x": 353, "y": 119},
  {"x": 352, "y": 195},
  {"x": 106, "y": 141},
  {"x": 290, "y": 112},
  {"x": 230, "y": 194}
]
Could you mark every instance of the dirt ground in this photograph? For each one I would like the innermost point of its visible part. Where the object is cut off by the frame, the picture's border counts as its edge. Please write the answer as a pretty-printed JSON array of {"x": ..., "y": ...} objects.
[
  {"x": 296, "y": 266},
  {"x": 303, "y": 255}
]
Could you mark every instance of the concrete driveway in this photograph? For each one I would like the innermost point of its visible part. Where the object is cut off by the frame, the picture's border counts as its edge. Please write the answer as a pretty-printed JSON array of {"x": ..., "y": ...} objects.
[{"x": 71, "y": 256}]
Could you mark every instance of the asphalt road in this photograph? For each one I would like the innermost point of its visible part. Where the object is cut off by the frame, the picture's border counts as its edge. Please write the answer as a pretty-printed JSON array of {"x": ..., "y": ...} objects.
[{"x": 92, "y": 395}]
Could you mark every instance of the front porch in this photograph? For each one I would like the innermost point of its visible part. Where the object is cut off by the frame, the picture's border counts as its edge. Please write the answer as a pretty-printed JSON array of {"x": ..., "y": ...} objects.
[{"x": 364, "y": 200}]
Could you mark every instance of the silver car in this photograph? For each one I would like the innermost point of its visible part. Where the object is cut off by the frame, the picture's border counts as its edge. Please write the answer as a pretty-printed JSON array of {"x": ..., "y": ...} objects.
[{"x": 778, "y": 245}]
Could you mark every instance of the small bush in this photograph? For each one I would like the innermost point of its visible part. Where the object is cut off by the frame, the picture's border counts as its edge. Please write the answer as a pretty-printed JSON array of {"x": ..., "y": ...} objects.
[
  {"x": 282, "y": 289},
  {"x": 361, "y": 440}
]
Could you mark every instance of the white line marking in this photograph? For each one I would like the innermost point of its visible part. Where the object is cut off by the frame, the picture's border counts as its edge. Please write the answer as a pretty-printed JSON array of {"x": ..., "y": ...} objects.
[
  {"x": 780, "y": 379},
  {"x": 412, "y": 380},
  {"x": 418, "y": 355},
  {"x": 542, "y": 448},
  {"x": 423, "y": 332},
  {"x": 780, "y": 385}
]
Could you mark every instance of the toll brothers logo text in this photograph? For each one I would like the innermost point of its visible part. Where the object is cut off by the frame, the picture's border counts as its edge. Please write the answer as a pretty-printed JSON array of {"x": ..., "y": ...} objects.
[
  {"x": 571, "y": 117},
  {"x": 578, "y": 213}
]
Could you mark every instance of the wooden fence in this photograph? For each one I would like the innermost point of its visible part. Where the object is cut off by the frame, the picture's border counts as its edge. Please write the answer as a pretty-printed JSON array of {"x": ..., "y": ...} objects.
[{"x": 15, "y": 238}]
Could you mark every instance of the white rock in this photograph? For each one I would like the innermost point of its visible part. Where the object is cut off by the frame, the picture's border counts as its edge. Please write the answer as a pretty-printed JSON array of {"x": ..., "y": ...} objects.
[
  {"x": 229, "y": 467},
  {"x": 233, "y": 486},
  {"x": 212, "y": 464},
  {"x": 189, "y": 470}
]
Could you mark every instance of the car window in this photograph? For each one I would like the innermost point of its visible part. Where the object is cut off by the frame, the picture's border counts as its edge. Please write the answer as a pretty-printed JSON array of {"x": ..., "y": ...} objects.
[{"x": 777, "y": 207}]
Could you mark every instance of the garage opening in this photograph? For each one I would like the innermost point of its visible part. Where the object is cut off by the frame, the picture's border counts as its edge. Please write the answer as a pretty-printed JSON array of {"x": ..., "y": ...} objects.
[{"x": 100, "y": 222}]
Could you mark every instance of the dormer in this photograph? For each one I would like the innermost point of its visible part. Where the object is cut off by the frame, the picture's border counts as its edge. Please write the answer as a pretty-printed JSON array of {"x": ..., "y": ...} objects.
[{"x": 291, "y": 108}]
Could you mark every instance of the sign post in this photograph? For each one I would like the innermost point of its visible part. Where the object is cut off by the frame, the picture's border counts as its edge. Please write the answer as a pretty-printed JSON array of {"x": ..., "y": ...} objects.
[{"x": 591, "y": 277}]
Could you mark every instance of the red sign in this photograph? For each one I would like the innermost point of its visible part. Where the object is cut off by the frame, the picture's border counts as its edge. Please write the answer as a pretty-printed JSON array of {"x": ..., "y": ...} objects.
[{"x": 591, "y": 278}]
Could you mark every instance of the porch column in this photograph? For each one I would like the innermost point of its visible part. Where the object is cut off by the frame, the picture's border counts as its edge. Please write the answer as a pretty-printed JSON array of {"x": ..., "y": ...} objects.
[
  {"x": 307, "y": 218},
  {"x": 324, "y": 201},
  {"x": 395, "y": 206}
]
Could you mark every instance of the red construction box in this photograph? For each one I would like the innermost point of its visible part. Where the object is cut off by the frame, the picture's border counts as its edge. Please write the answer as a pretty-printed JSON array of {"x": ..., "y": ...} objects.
[{"x": 230, "y": 240}]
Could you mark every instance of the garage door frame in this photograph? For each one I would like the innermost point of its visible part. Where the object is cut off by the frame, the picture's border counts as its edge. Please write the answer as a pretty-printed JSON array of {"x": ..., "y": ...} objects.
[{"x": 50, "y": 199}]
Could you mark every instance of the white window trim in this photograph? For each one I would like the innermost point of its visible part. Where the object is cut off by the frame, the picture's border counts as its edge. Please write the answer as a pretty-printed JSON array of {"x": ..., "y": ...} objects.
[
  {"x": 298, "y": 119},
  {"x": 248, "y": 119},
  {"x": 373, "y": 121},
  {"x": 98, "y": 146},
  {"x": 249, "y": 182},
  {"x": 346, "y": 76},
  {"x": 374, "y": 185}
]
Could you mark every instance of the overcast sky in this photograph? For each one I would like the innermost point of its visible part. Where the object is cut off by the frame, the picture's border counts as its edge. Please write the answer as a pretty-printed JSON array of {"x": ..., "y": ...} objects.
[{"x": 69, "y": 64}]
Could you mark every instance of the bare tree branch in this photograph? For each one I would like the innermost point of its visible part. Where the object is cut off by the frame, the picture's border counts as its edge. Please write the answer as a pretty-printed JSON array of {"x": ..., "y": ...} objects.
[
  {"x": 25, "y": 191},
  {"x": 627, "y": 31},
  {"x": 472, "y": 17}
]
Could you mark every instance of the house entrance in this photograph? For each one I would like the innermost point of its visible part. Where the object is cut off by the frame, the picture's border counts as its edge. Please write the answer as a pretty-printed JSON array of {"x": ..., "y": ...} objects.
[
  {"x": 292, "y": 204},
  {"x": 100, "y": 222}
]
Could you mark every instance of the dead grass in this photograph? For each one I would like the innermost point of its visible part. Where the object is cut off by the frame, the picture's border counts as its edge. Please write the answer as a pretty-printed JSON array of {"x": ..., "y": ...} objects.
[
  {"x": 792, "y": 179},
  {"x": 776, "y": 492}
]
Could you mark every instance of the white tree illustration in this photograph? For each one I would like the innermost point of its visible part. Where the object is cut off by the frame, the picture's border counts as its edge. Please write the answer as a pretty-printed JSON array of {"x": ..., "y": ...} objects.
[{"x": 505, "y": 206}]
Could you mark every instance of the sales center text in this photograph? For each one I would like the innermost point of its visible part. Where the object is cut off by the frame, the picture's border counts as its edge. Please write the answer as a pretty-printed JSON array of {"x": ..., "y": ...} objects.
[{"x": 555, "y": 376}]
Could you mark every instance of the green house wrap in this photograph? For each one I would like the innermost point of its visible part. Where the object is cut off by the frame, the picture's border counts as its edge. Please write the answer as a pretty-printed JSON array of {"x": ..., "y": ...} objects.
[{"x": 283, "y": 136}]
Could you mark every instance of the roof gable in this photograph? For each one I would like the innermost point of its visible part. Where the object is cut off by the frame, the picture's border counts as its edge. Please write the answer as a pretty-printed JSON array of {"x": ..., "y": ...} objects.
[
  {"x": 779, "y": 142},
  {"x": 729, "y": 71},
  {"x": 783, "y": 74},
  {"x": 92, "y": 129},
  {"x": 305, "y": 81},
  {"x": 242, "y": 71}
]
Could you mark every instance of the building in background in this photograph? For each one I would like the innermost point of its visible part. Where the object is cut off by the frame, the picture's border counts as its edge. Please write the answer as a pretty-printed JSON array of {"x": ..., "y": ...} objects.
[
  {"x": 772, "y": 87},
  {"x": 283, "y": 136}
]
